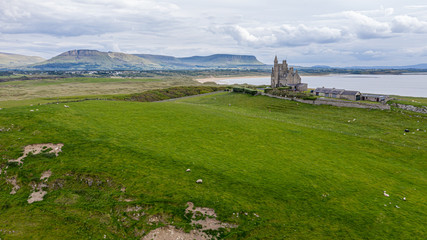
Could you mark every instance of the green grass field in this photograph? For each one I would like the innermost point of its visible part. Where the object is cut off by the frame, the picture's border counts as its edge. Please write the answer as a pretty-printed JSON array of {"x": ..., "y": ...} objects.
[{"x": 308, "y": 172}]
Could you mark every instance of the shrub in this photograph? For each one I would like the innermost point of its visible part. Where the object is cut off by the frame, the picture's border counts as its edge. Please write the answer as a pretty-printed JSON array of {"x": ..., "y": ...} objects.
[
  {"x": 268, "y": 90},
  {"x": 238, "y": 89},
  {"x": 250, "y": 91},
  {"x": 309, "y": 98},
  {"x": 168, "y": 93}
]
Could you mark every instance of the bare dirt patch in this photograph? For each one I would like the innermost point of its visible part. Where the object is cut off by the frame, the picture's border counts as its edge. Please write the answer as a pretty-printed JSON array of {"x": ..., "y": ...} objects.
[
  {"x": 38, "y": 148},
  {"x": 46, "y": 175},
  {"x": 208, "y": 222},
  {"x": 36, "y": 196},
  {"x": 171, "y": 233},
  {"x": 135, "y": 212},
  {"x": 15, "y": 186},
  {"x": 38, "y": 193}
]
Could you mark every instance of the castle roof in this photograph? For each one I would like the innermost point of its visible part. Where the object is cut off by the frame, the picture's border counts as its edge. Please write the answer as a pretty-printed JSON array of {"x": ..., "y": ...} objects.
[
  {"x": 375, "y": 95},
  {"x": 349, "y": 92},
  {"x": 336, "y": 91},
  {"x": 329, "y": 90}
]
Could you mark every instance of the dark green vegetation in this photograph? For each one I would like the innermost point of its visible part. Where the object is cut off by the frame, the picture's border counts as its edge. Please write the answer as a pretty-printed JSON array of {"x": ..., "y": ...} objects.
[
  {"x": 286, "y": 92},
  {"x": 309, "y": 172},
  {"x": 96, "y": 60},
  {"x": 245, "y": 90},
  {"x": 168, "y": 93}
]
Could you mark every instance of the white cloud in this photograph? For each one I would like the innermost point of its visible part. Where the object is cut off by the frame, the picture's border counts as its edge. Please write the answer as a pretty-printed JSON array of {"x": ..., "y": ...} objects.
[
  {"x": 405, "y": 23},
  {"x": 416, "y": 52},
  {"x": 366, "y": 27},
  {"x": 92, "y": 17},
  {"x": 416, "y": 7},
  {"x": 284, "y": 35},
  {"x": 321, "y": 31}
]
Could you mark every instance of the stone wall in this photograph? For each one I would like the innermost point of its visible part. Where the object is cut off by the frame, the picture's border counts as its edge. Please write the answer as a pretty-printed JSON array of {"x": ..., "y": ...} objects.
[
  {"x": 339, "y": 103},
  {"x": 411, "y": 108},
  {"x": 336, "y": 103}
]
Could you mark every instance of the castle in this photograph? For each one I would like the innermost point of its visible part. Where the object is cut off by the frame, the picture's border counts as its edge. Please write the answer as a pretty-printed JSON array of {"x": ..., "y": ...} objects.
[{"x": 282, "y": 76}]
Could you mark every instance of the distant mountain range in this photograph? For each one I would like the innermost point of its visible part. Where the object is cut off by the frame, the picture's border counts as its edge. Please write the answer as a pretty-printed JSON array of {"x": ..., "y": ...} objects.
[
  {"x": 96, "y": 60},
  {"x": 418, "y": 66}
]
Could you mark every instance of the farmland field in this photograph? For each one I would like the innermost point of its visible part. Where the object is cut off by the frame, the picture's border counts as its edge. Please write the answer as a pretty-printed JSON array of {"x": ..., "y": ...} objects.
[{"x": 275, "y": 169}]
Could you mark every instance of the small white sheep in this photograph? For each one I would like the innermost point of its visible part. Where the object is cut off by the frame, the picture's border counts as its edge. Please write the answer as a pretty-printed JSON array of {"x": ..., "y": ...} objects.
[
  {"x": 385, "y": 194},
  {"x": 188, "y": 170},
  {"x": 66, "y": 106},
  {"x": 199, "y": 181}
]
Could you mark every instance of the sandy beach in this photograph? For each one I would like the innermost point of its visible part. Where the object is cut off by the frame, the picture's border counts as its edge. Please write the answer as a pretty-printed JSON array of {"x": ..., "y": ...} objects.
[{"x": 216, "y": 79}]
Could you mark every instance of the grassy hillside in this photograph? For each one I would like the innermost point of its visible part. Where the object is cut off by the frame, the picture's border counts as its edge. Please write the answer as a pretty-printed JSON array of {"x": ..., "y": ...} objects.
[
  {"x": 9, "y": 60},
  {"x": 94, "y": 60},
  {"x": 277, "y": 169}
]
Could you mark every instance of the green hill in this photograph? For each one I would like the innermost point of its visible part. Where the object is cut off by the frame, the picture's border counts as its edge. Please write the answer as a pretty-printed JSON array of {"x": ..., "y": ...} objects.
[
  {"x": 271, "y": 169},
  {"x": 9, "y": 60},
  {"x": 96, "y": 60}
]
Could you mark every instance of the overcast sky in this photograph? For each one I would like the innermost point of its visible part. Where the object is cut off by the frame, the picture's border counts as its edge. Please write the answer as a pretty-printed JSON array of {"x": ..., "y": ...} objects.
[{"x": 305, "y": 32}]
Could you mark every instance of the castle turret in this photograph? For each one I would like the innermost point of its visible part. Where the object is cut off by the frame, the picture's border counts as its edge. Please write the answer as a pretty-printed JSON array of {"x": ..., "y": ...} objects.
[
  {"x": 283, "y": 75},
  {"x": 275, "y": 73}
]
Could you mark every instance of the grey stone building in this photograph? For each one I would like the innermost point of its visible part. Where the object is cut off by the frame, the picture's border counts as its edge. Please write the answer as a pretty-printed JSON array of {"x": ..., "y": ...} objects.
[
  {"x": 375, "y": 97},
  {"x": 337, "y": 93},
  {"x": 282, "y": 76}
]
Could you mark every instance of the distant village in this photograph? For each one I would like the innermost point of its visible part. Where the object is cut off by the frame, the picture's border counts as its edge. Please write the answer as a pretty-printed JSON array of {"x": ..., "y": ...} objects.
[{"x": 284, "y": 76}]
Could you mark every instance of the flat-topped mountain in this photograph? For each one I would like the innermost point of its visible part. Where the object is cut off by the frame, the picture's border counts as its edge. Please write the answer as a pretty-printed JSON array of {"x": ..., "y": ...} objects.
[
  {"x": 97, "y": 60},
  {"x": 9, "y": 60},
  {"x": 93, "y": 60}
]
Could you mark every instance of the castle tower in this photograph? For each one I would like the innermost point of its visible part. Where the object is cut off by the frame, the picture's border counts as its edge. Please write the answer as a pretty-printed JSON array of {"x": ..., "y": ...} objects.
[
  {"x": 275, "y": 73},
  {"x": 283, "y": 75}
]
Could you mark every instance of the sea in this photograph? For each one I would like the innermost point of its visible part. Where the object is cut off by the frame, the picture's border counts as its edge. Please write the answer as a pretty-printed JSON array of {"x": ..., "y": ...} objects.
[{"x": 414, "y": 85}]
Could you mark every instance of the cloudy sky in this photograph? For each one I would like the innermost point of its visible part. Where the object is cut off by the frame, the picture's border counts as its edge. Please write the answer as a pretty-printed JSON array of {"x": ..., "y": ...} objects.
[{"x": 306, "y": 32}]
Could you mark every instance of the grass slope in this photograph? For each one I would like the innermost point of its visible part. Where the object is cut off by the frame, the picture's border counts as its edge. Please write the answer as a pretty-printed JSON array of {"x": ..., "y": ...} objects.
[
  {"x": 93, "y": 59},
  {"x": 9, "y": 60},
  {"x": 44, "y": 90},
  {"x": 306, "y": 170}
]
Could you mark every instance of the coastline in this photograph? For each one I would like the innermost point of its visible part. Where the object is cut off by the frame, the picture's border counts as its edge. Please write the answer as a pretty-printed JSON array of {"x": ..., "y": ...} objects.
[{"x": 216, "y": 79}]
